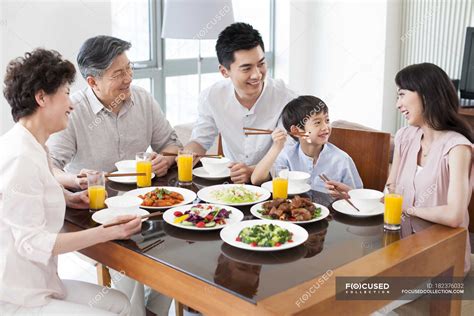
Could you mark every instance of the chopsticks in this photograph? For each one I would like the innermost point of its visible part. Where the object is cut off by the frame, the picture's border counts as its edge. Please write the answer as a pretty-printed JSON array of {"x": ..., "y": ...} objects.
[
  {"x": 109, "y": 175},
  {"x": 258, "y": 131},
  {"x": 152, "y": 245},
  {"x": 326, "y": 179},
  {"x": 200, "y": 156},
  {"x": 128, "y": 220}
]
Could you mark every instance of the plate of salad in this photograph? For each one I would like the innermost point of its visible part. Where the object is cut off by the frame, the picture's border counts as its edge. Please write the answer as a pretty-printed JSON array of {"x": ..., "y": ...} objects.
[
  {"x": 202, "y": 216},
  {"x": 234, "y": 194},
  {"x": 264, "y": 235}
]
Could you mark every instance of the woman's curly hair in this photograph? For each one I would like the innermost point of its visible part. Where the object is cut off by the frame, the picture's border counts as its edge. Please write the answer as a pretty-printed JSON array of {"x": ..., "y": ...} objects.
[{"x": 38, "y": 70}]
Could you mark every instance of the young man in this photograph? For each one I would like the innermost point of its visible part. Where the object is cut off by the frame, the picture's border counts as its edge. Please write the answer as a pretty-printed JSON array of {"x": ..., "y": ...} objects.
[
  {"x": 248, "y": 99},
  {"x": 112, "y": 120}
]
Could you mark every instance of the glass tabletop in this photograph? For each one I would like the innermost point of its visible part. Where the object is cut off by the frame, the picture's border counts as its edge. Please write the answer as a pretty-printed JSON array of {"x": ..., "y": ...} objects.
[{"x": 332, "y": 242}]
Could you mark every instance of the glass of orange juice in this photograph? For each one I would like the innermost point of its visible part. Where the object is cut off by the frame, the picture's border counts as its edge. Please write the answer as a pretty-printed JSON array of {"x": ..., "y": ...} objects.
[
  {"x": 185, "y": 167},
  {"x": 143, "y": 160},
  {"x": 280, "y": 182},
  {"x": 96, "y": 190},
  {"x": 393, "y": 206}
]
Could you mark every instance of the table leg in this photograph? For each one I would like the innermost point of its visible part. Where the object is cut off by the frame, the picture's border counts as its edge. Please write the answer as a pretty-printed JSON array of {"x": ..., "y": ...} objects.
[
  {"x": 103, "y": 275},
  {"x": 179, "y": 308}
]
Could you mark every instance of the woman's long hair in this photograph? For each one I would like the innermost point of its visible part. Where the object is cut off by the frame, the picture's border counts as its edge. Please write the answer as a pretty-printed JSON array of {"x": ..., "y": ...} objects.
[{"x": 438, "y": 95}]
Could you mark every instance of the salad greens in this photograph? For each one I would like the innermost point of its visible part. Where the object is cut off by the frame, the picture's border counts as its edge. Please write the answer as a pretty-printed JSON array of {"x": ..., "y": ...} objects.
[
  {"x": 202, "y": 216},
  {"x": 235, "y": 194},
  {"x": 265, "y": 235}
]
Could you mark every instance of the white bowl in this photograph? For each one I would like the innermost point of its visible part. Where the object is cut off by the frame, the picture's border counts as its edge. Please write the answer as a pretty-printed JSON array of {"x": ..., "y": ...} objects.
[
  {"x": 298, "y": 178},
  {"x": 123, "y": 202},
  {"x": 215, "y": 165},
  {"x": 365, "y": 199},
  {"x": 126, "y": 166}
]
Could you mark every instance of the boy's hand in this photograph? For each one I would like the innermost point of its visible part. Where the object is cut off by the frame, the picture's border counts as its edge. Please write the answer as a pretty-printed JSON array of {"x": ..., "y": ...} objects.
[{"x": 279, "y": 138}]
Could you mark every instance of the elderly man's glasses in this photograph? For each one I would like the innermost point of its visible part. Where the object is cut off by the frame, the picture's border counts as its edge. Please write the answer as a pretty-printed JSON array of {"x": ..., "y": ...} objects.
[{"x": 127, "y": 71}]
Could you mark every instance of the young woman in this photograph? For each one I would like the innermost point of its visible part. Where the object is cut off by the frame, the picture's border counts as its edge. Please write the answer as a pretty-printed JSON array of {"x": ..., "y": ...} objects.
[
  {"x": 32, "y": 203},
  {"x": 432, "y": 160}
]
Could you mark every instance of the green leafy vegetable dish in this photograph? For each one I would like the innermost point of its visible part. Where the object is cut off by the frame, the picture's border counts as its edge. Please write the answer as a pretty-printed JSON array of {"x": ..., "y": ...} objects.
[{"x": 265, "y": 235}]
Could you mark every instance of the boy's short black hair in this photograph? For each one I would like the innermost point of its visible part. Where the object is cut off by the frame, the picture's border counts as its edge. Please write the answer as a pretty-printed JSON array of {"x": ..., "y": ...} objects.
[
  {"x": 235, "y": 37},
  {"x": 300, "y": 109}
]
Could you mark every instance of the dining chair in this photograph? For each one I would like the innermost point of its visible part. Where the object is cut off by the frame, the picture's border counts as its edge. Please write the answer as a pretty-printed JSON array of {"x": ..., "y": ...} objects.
[{"x": 370, "y": 151}]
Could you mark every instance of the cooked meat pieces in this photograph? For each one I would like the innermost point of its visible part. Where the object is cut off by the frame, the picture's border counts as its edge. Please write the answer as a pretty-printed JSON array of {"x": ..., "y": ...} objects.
[
  {"x": 276, "y": 212},
  {"x": 301, "y": 214},
  {"x": 274, "y": 203}
]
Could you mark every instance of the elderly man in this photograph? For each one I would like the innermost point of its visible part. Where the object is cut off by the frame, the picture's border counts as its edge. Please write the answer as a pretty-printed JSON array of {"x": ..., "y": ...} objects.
[
  {"x": 112, "y": 119},
  {"x": 247, "y": 98}
]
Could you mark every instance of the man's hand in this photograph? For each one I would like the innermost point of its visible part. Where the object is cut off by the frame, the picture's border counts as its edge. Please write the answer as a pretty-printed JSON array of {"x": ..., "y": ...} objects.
[
  {"x": 159, "y": 164},
  {"x": 79, "y": 200},
  {"x": 240, "y": 172},
  {"x": 81, "y": 183}
]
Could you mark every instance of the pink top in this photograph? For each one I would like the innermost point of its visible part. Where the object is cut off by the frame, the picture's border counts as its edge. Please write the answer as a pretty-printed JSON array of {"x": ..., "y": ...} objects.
[{"x": 428, "y": 187}]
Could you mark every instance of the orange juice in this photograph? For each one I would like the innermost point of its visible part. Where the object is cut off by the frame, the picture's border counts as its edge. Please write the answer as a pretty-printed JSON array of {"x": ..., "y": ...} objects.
[
  {"x": 185, "y": 168},
  {"x": 280, "y": 188},
  {"x": 96, "y": 197},
  {"x": 144, "y": 167},
  {"x": 393, "y": 209}
]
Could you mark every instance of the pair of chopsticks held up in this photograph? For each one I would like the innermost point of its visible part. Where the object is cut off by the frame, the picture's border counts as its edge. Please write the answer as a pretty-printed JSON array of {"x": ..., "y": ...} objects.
[{"x": 258, "y": 131}]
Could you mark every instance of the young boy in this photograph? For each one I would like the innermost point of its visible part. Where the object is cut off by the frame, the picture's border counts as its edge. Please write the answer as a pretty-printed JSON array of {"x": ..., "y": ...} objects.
[{"x": 313, "y": 153}]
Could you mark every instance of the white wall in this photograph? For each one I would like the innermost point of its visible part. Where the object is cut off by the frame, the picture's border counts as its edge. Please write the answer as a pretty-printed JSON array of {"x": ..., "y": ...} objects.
[
  {"x": 347, "y": 53},
  {"x": 59, "y": 25}
]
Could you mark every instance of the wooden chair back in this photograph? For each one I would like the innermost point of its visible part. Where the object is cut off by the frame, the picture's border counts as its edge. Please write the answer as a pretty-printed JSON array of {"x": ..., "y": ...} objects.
[{"x": 370, "y": 152}]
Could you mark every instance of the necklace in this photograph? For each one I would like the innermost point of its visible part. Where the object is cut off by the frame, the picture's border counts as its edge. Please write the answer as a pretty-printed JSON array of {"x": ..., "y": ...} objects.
[{"x": 424, "y": 150}]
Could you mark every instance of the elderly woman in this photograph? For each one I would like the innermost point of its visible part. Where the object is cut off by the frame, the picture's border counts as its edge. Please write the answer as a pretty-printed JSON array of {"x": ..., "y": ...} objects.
[
  {"x": 32, "y": 202},
  {"x": 432, "y": 159}
]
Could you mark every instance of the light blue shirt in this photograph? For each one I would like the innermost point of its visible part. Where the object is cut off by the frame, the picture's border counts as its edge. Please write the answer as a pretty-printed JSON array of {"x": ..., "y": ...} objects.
[{"x": 333, "y": 162}]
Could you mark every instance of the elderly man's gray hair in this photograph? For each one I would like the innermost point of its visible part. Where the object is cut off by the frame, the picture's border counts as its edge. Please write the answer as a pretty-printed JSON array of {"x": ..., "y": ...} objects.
[{"x": 98, "y": 53}]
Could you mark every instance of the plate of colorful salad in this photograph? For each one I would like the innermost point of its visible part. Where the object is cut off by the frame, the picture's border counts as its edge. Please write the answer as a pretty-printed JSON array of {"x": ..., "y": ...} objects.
[
  {"x": 298, "y": 210},
  {"x": 234, "y": 194},
  {"x": 202, "y": 216},
  {"x": 264, "y": 235}
]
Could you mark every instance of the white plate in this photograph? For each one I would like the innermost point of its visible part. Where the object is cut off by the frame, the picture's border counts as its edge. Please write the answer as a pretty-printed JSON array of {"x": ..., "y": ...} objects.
[
  {"x": 230, "y": 233},
  {"x": 188, "y": 195},
  {"x": 343, "y": 207},
  {"x": 202, "y": 173},
  {"x": 107, "y": 215},
  {"x": 234, "y": 217},
  {"x": 324, "y": 214},
  {"x": 205, "y": 194},
  {"x": 131, "y": 179},
  {"x": 292, "y": 190}
]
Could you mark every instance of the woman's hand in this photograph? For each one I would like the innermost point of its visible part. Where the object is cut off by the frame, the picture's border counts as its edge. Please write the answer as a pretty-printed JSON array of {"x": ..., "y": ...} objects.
[
  {"x": 79, "y": 200},
  {"x": 124, "y": 231},
  {"x": 334, "y": 186}
]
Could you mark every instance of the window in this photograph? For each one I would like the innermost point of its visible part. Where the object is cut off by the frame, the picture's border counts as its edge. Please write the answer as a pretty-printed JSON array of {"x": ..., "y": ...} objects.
[{"x": 172, "y": 76}]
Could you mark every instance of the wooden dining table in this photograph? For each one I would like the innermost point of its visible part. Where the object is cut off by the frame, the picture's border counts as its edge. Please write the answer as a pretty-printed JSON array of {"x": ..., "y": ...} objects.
[{"x": 198, "y": 269}]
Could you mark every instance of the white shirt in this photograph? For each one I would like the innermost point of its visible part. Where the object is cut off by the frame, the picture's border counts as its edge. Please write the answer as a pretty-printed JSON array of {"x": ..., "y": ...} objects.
[
  {"x": 32, "y": 209},
  {"x": 219, "y": 111},
  {"x": 97, "y": 138}
]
